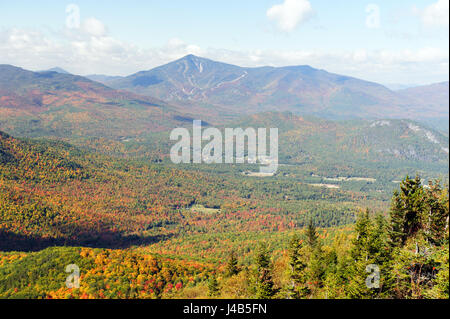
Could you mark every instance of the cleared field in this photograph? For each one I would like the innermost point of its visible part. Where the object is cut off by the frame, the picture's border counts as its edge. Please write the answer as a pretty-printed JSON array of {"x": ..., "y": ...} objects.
[
  {"x": 325, "y": 185},
  {"x": 204, "y": 210}
]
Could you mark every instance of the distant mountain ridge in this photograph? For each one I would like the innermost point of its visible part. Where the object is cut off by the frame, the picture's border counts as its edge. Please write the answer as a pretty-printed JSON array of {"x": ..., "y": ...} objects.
[
  {"x": 197, "y": 81},
  {"x": 35, "y": 90},
  {"x": 103, "y": 78},
  {"x": 433, "y": 94},
  {"x": 57, "y": 70},
  {"x": 65, "y": 105}
]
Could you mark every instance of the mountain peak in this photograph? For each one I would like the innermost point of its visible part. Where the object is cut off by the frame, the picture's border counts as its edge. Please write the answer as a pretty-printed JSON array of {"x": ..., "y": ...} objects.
[
  {"x": 57, "y": 70},
  {"x": 190, "y": 58}
]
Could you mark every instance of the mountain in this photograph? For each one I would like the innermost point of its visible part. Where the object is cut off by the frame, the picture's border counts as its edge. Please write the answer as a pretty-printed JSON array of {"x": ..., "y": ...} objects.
[
  {"x": 57, "y": 70},
  {"x": 193, "y": 81},
  {"x": 94, "y": 77},
  {"x": 360, "y": 144},
  {"x": 40, "y": 91},
  {"x": 65, "y": 105},
  {"x": 102, "y": 78},
  {"x": 398, "y": 86},
  {"x": 431, "y": 97},
  {"x": 434, "y": 95}
]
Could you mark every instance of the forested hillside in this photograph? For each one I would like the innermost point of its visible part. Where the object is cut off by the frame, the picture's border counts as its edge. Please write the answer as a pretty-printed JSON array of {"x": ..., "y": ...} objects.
[
  {"x": 55, "y": 193},
  {"x": 195, "y": 233},
  {"x": 408, "y": 252}
]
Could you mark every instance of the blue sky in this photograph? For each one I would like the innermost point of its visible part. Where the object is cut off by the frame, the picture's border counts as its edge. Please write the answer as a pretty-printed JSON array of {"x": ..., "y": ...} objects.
[{"x": 385, "y": 41}]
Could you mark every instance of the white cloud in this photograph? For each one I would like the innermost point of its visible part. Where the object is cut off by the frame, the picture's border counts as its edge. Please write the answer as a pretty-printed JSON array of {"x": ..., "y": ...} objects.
[
  {"x": 94, "y": 27},
  {"x": 436, "y": 14},
  {"x": 424, "y": 65},
  {"x": 86, "y": 50},
  {"x": 290, "y": 14},
  {"x": 176, "y": 47},
  {"x": 28, "y": 48},
  {"x": 360, "y": 55},
  {"x": 83, "y": 52}
]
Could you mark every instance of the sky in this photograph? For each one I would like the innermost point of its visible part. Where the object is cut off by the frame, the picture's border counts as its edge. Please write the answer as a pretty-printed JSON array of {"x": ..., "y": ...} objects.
[{"x": 385, "y": 41}]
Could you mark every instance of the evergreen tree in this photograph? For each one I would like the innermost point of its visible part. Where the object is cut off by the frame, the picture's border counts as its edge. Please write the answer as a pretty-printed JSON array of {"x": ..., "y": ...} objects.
[
  {"x": 213, "y": 286},
  {"x": 298, "y": 288},
  {"x": 440, "y": 287},
  {"x": 311, "y": 234},
  {"x": 407, "y": 211},
  {"x": 370, "y": 273},
  {"x": 437, "y": 214},
  {"x": 419, "y": 222},
  {"x": 264, "y": 282},
  {"x": 232, "y": 265},
  {"x": 361, "y": 242},
  {"x": 316, "y": 266}
]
